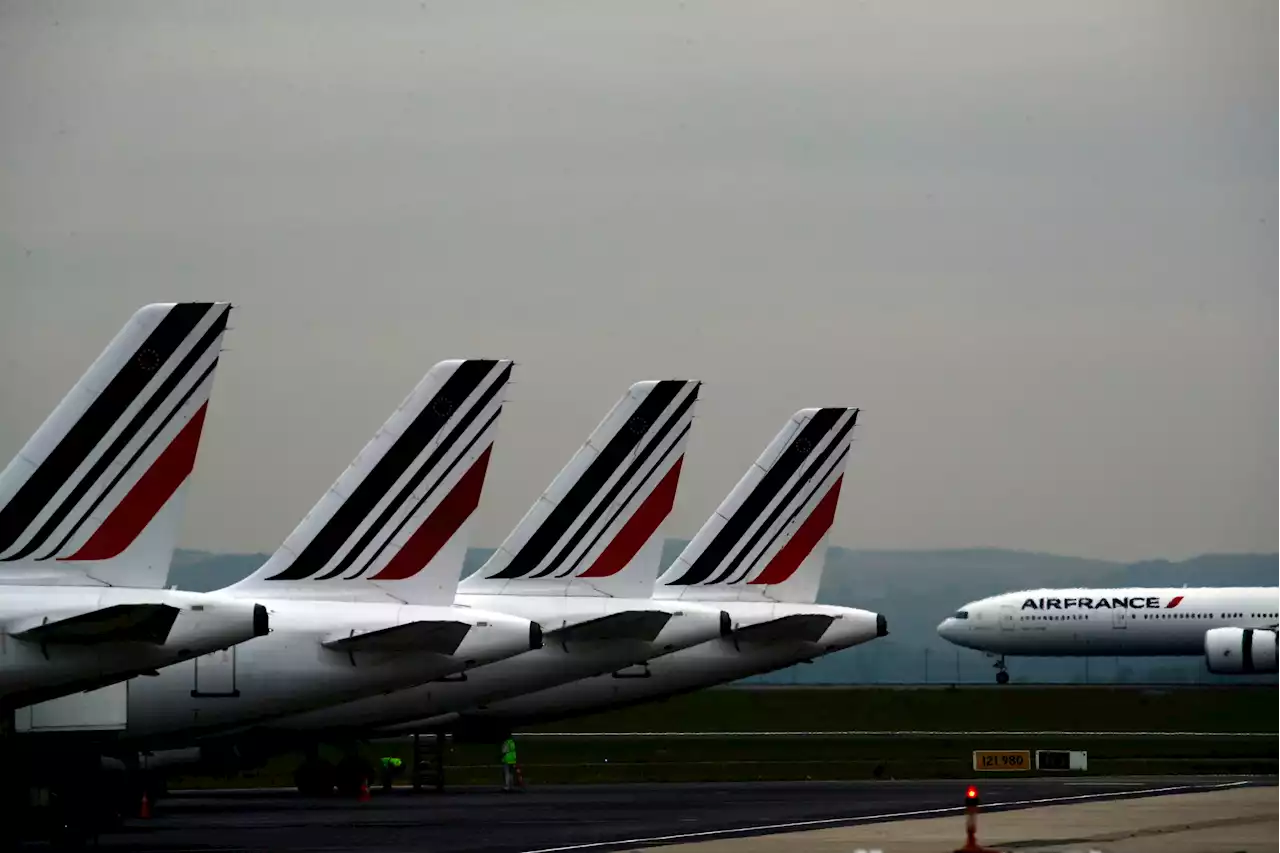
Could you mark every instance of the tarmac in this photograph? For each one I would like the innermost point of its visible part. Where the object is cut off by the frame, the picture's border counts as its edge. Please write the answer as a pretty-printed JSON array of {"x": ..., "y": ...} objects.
[
  {"x": 557, "y": 819},
  {"x": 1235, "y": 820}
]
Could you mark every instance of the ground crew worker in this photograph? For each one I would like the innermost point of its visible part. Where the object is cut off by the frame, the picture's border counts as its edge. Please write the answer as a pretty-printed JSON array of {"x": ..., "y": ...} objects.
[
  {"x": 390, "y": 769},
  {"x": 509, "y": 764}
]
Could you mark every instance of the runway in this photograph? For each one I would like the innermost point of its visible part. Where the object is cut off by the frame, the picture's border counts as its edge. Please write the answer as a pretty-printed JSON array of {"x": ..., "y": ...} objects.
[{"x": 589, "y": 818}]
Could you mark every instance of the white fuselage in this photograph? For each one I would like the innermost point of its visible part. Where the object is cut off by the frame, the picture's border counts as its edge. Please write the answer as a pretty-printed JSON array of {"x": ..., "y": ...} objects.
[
  {"x": 1108, "y": 622},
  {"x": 33, "y": 672},
  {"x": 556, "y": 663},
  {"x": 291, "y": 669},
  {"x": 717, "y": 661}
]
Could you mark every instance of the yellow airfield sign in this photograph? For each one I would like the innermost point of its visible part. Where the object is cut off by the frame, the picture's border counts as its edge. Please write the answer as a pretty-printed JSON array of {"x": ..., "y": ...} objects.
[{"x": 1002, "y": 759}]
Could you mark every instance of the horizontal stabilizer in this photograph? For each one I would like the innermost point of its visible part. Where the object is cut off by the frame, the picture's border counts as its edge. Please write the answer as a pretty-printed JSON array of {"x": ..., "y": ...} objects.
[
  {"x": 799, "y": 628},
  {"x": 139, "y": 623},
  {"x": 436, "y": 636},
  {"x": 644, "y": 625}
]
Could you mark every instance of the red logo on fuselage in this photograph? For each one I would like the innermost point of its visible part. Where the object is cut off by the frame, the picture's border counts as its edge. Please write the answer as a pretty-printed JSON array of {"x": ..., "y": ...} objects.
[{"x": 1177, "y": 599}]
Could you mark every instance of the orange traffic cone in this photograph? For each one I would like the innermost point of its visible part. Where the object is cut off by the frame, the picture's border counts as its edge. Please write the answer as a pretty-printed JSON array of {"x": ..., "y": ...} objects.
[
  {"x": 144, "y": 810},
  {"x": 364, "y": 791}
]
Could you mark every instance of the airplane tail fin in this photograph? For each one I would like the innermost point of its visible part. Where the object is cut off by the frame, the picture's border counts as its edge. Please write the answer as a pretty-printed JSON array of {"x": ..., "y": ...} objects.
[
  {"x": 394, "y": 525},
  {"x": 596, "y": 529},
  {"x": 767, "y": 540},
  {"x": 96, "y": 495}
]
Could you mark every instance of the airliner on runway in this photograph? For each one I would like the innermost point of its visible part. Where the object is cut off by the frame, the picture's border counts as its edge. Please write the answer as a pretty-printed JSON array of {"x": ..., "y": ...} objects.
[{"x": 1233, "y": 627}]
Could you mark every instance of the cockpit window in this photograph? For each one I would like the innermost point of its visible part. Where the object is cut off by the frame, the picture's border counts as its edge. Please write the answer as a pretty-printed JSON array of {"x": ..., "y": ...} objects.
[{"x": 961, "y": 614}]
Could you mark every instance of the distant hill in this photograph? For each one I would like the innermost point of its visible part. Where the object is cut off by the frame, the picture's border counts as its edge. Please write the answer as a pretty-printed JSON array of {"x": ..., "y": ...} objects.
[
  {"x": 203, "y": 571},
  {"x": 915, "y": 590}
]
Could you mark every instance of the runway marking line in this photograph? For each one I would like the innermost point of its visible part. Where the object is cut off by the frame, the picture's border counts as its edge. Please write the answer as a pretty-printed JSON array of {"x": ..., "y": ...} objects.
[
  {"x": 849, "y": 821},
  {"x": 903, "y": 733}
]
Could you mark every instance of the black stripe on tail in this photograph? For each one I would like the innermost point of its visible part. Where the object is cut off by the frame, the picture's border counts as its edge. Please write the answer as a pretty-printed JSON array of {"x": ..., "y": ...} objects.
[
  {"x": 592, "y": 480},
  {"x": 818, "y": 483},
  {"x": 427, "y": 467},
  {"x": 97, "y": 420},
  {"x": 787, "y": 501},
  {"x": 628, "y": 477},
  {"x": 126, "y": 435},
  {"x": 640, "y": 484},
  {"x": 737, "y": 525},
  {"x": 388, "y": 470}
]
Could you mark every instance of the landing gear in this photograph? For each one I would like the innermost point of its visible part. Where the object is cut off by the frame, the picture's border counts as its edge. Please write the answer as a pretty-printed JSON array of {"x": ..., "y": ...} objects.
[
  {"x": 352, "y": 773},
  {"x": 315, "y": 777},
  {"x": 1002, "y": 673},
  {"x": 63, "y": 797}
]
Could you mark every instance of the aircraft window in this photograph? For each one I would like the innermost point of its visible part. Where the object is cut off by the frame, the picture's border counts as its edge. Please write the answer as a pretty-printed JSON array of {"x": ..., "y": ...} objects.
[{"x": 961, "y": 614}]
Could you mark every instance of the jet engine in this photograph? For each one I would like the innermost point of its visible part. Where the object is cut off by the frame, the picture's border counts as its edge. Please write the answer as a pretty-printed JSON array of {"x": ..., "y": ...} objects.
[{"x": 1240, "y": 651}]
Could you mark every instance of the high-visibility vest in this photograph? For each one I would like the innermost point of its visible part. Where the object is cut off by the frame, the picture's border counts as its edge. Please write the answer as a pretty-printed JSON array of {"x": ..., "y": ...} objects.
[{"x": 509, "y": 751}]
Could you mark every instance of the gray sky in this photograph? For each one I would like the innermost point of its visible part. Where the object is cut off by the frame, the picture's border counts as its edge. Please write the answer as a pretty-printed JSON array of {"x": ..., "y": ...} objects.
[{"x": 1036, "y": 242}]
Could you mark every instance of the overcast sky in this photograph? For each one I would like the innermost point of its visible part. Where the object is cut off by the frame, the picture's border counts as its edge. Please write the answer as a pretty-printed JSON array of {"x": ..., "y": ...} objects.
[{"x": 1036, "y": 242}]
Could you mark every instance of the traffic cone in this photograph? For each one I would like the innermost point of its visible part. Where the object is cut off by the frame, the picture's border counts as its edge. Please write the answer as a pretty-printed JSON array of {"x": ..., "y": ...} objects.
[
  {"x": 364, "y": 791},
  {"x": 144, "y": 810}
]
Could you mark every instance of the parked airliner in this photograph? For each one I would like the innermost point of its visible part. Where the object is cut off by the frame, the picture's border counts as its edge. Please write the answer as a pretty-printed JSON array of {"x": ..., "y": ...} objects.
[
  {"x": 89, "y": 515},
  {"x": 399, "y": 514},
  {"x": 581, "y": 563},
  {"x": 1234, "y": 628},
  {"x": 759, "y": 557}
]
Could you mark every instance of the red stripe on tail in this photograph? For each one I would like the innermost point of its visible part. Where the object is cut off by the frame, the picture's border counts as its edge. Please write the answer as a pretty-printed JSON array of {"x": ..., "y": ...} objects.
[
  {"x": 440, "y": 526},
  {"x": 152, "y": 491},
  {"x": 642, "y": 525},
  {"x": 788, "y": 559}
]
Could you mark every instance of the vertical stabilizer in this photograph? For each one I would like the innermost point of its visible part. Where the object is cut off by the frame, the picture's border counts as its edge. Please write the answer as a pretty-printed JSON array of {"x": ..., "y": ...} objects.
[
  {"x": 96, "y": 495},
  {"x": 395, "y": 524},
  {"x": 767, "y": 540},
  {"x": 597, "y": 528}
]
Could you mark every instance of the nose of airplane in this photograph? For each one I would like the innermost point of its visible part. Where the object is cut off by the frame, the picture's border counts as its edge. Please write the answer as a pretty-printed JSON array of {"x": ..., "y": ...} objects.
[{"x": 946, "y": 628}]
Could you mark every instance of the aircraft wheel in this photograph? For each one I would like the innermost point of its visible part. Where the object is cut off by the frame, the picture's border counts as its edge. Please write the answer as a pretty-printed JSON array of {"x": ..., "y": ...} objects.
[
  {"x": 351, "y": 773},
  {"x": 314, "y": 778},
  {"x": 1002, "y": 677}
]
